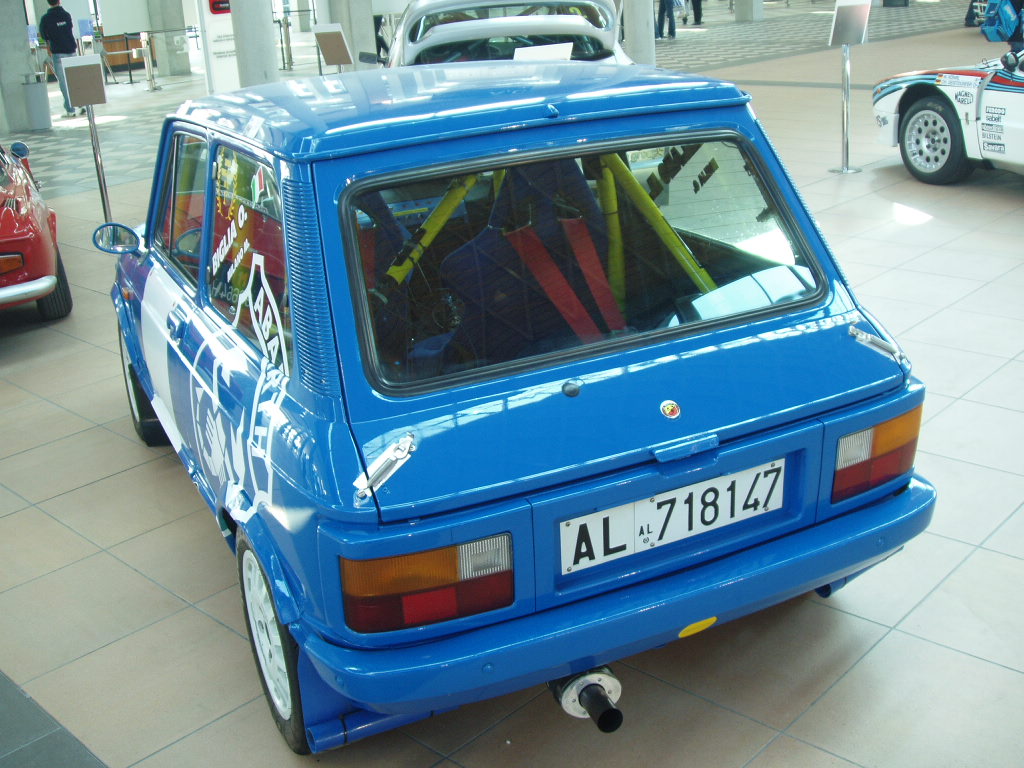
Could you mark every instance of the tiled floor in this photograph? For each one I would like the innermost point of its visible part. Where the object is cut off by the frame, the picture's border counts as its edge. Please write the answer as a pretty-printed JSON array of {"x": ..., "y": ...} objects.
[{"x": 119, "y": 613}]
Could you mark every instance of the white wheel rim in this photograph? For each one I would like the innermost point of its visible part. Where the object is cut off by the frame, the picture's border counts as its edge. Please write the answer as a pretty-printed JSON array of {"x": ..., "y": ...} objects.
[
  {"x": 265, "y": 635},
  {"x": 928, "y": 141},
  {"x": 126, "y": 365}
]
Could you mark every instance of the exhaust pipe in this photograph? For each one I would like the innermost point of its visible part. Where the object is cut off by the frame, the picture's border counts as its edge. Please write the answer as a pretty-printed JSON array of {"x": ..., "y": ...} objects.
[{"x": 591, "y": 694}]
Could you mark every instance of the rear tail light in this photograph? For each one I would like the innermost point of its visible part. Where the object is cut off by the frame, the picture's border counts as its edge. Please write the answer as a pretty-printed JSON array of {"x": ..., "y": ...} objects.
[
  {"x": 868, "y": 458},
  {"x": 426, "y": 587},
  {"x": 10, "y": 262}
]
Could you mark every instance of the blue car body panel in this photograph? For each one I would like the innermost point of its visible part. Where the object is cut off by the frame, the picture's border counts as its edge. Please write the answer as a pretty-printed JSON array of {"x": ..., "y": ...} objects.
[{"x": 276, "y": 452}]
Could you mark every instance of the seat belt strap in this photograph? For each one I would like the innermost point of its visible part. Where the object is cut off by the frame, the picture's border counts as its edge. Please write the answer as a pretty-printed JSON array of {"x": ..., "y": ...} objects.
[
  {"x": 535, "y": 256},
  {"x": 368, "y": 254},
  {"x": 578, "y": 234}
]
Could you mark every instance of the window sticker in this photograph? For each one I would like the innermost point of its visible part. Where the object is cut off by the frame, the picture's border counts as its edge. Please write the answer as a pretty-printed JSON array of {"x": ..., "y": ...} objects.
[{"x": 247, "y": 276}]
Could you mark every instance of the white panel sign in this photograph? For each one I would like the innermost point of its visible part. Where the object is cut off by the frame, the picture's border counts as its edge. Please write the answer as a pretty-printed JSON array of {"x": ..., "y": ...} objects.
[{"x": 218, "y": 38}]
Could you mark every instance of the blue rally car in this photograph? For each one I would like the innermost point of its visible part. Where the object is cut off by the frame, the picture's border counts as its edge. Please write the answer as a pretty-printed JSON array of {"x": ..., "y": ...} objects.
[{"x": 493, "y": 375}]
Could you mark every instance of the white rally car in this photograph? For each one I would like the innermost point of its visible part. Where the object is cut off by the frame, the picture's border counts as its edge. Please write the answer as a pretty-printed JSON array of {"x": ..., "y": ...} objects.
[
  {"x": 948, "y": 121},
  {"x": 446, "y": 31}
]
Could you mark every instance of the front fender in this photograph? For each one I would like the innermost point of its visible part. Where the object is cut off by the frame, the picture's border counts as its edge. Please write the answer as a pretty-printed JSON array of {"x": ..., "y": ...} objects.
[
  {"x": 887, "y": 117},
  {"x": 895, "y": 104}
]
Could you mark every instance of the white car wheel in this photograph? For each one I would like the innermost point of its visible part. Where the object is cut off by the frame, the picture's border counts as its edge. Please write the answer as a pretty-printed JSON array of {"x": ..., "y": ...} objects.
[
  {"x": 932, "y": 144},
  {"x": 273, "y": 647},
  {"x": 265, "y": 635}
]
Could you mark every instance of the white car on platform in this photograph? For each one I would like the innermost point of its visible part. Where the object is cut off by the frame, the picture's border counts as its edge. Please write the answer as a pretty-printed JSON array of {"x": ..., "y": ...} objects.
[
  {"x": 947, "y": 122},
  {"x": 444, "y": 31}
]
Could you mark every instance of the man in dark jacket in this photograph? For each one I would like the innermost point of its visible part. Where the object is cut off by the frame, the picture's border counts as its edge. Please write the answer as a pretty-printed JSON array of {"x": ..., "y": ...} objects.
[{"x": 57, "y": 30}]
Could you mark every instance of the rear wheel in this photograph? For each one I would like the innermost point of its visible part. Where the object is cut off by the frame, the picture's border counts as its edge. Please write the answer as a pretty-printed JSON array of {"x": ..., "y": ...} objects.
[
  {"x": 932, "y": 143},
  {"x": 144, "y": 419},
  {"x": 56, "y": 305},
  {"x": 275, "y": 651}
]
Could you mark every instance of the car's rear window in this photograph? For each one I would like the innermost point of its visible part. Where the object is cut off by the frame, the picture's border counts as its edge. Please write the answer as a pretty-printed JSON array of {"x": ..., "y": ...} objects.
[
  {"x": 503, "y": 48},
  {"x": 468, "y": 271}
]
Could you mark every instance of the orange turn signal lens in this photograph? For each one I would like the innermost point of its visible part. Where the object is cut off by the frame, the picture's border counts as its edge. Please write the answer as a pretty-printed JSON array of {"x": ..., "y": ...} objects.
[
  {"x": 10, "y": 262},
  {"x": 406, "y": 573}
]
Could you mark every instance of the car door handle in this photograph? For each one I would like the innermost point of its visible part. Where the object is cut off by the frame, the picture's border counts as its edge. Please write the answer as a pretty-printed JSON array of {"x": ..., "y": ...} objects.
[
  {"x": 684, "y": 448},
  {"x": 176, "y": 322}
]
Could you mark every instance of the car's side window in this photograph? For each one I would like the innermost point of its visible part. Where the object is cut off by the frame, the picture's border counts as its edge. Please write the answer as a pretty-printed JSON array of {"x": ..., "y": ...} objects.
[
  {"x": 183, "y": 205},
  {"x": 248, "y": 283}
]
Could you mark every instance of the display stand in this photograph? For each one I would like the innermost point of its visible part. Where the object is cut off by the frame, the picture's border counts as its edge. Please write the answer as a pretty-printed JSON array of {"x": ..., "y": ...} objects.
[
  {"x": 84, "y": 75},
  {"x": 849, "y": 27},
  {"x": 146, "y": 55},
  {"x": 330, "y": 39}
]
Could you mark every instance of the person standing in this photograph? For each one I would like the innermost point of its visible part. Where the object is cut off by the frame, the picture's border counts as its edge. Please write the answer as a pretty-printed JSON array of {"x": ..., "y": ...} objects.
[
  {"x": 698, "y": 14},
  {"x": 665, "y": 9},
  {"x": 57, "y": 30}
]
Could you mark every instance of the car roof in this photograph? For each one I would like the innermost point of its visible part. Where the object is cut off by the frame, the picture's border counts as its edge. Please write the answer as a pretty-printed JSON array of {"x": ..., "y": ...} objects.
[{"x": 369, "y": 110}]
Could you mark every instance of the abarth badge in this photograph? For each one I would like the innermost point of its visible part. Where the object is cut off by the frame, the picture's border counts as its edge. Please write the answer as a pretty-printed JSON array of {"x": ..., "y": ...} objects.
[{"x": 670, "y": 409}]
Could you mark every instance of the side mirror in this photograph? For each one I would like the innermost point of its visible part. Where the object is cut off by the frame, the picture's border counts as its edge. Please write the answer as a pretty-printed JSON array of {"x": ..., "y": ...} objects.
[
  {"x": 19, "y": 149},
  {"x": 365, "y": 57},
  {"x": 116, "y": 239}
]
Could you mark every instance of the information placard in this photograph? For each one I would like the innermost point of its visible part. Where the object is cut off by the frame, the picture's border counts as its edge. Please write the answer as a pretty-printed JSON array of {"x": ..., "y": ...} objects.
[
  {"x": 85, "y": 80},
  {"x": 850, "y": 23},
  {"x": 333, "y": 45}
]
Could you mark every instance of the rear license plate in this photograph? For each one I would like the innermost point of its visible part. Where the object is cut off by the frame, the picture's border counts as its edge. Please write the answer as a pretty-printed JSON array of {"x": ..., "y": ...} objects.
[{"x": 621, "y": 531}]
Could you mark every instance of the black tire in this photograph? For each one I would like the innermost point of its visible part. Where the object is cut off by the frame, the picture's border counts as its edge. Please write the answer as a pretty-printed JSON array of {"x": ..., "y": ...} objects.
[
  {"x": 144, "y": 419},
  {"x": 273, "y": 648},
  {"x": 57, "y": 304},
  {"x": 932, "y": 143}
]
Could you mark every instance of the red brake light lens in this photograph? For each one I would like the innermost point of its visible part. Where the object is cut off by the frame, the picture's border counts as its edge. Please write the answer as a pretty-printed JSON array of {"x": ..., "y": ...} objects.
[
  {"x": 392, "y": 593},
  {"x": 868, "y": 458}
]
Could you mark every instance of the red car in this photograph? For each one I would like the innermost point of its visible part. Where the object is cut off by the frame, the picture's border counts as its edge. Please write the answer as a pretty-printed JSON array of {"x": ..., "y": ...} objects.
[{"x": 30, "y": 265}]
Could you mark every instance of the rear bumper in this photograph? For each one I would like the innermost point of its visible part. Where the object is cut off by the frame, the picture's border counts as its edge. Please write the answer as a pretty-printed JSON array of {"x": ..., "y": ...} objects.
[{"x": 534, "y": 649}]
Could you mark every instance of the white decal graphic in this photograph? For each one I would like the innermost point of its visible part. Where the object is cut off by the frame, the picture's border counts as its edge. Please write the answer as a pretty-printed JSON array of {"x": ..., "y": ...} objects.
[
  {"x": 963, "y": 97},
  {"x": 957, "y": 81},
  {"x": 224, "y": 246},
  {"x": 264, "y": 313}
]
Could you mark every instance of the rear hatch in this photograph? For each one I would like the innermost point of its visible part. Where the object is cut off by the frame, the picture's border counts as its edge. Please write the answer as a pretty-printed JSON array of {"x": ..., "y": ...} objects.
[
  {"x": 570, "y": 422},
  {"x": 671, "y": 390}
]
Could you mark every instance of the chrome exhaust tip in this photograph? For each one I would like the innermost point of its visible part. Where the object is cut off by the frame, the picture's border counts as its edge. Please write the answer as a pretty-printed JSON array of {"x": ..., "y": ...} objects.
[{"x": 591, "y": 694}]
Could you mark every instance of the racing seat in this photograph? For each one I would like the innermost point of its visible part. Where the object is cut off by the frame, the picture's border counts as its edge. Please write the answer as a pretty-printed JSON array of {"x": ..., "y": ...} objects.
[{"x": 534, "y": 280}]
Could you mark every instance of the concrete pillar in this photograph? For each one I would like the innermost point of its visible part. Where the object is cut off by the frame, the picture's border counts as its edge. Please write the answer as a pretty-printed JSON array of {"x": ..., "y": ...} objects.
[
  {"x": 15, "y": 65},
  {"x": 749, "y": 10},
  {"x": 639, "y": 24},
  {"x": 356, "y": 19},
  {"x": 170, "y": 48},
  {"x": 305, "y": 17},
  {"x": 41, "y": 7},
  {"x": 256, "y": 48}
]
